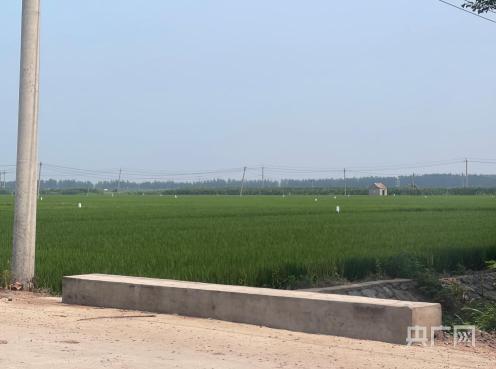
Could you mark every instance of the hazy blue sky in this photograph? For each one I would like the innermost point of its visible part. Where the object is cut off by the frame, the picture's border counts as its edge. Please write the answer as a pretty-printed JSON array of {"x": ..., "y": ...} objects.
[{"x": 217, "y": 84}]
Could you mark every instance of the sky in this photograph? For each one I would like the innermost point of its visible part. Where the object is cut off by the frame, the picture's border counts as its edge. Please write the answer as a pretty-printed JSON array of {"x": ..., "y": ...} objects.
[{"x": 201, "y": 85}]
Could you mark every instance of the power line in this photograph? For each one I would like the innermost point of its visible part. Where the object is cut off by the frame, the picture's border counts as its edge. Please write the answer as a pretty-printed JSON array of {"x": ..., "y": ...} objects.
[
  {"x": 140, "y": 172},
  {"x": 377, "y": 168},
  {"x": 466, "y": 11},
  {"x": 380, "y": 170}
]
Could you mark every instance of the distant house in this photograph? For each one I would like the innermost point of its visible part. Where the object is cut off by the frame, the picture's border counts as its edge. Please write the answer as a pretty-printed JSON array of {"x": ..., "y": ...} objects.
[{"x": 378, "y": 189}]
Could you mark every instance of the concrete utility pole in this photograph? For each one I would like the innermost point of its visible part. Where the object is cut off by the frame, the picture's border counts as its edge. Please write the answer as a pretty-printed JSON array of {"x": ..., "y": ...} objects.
[
  {"x": 466, "y": 173},
  {"x": 263, "y": 178},
  {"x": 242, "y": 182},
  {"x": 344, "y": 176},
  {"x": 119, "y": 181},
  {"x": 39, "y": 180},
  {"x": 23, "y": 253}
]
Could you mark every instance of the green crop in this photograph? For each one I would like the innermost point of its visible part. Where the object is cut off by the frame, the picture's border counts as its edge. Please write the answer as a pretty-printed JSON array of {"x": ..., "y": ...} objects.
[{"x": 255, "y": 240}]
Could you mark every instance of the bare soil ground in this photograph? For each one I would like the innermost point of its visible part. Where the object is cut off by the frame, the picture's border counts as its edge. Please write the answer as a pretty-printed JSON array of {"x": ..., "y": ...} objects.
[{"x": 39, "y": 331}]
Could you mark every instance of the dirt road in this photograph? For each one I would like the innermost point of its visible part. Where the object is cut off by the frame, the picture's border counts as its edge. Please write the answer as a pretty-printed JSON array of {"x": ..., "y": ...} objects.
[{"x": 41, "y": 332}]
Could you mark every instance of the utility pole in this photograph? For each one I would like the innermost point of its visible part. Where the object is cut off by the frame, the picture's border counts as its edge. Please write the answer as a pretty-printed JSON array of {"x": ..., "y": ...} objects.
[
  {"x": 413, "y": 182},
  {"x": 344, "y": 176},
  {"x": 39, "y": 180},
  {"x": 119, "y": 181},
  {"x": 466, "y": 173},
  {"x": 242, "y": 182},
  {"x": 23, "y": 251},
  {"x": 263, "y": 182},
  {"x": 263, "y": 178}
]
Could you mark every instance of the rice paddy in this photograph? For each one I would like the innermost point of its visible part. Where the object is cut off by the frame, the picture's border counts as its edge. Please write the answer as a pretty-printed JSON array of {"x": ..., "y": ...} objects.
[{"x": 254, "y": 240}]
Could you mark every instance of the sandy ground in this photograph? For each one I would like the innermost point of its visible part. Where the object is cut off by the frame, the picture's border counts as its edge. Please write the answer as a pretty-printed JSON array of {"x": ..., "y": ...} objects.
[{"x": 40, "y": 332}]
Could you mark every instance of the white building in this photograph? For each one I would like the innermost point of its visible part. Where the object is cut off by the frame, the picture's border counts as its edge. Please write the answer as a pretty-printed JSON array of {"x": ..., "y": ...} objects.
[{"x": 378, "y": 189}]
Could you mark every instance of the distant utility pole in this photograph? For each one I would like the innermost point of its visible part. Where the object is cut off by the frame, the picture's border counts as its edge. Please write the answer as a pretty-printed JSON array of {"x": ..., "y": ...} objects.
[
  {"x": 466, "y": 173},
  {"x": 344, "y": 176},
  {"x": 242, "y": 182},
  {"x": 119, "y": 181},
  {"x": 23, "y": 251},
  {"x": 398, "y": 182},
  {"x": 413, "y": 182},
  {"x": 39, "y": 180},
  {"x": 263, "y": 178}
]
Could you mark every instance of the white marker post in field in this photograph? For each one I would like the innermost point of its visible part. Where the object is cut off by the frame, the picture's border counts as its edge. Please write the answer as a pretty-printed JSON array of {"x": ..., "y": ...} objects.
[{"x": 23, "y": 254}]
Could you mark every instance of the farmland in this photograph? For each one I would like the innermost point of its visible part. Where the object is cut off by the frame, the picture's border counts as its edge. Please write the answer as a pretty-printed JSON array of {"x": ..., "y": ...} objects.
[{"x": 255, "y": 240}]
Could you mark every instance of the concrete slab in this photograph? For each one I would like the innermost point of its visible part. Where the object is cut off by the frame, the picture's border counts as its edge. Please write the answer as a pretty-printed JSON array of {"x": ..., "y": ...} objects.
[{"x": 340, "y": 315}]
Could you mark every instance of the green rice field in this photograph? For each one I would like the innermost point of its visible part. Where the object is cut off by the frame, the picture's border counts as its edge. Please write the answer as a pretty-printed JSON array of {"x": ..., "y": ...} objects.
[{"x": 255, "y": 240}]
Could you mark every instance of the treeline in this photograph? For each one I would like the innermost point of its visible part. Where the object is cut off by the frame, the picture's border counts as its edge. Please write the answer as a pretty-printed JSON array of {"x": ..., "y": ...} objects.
[
  {"x": 427, "y": 183},
  {"x": 276, "y": 191},
  {"x": 289, "y": 191}
]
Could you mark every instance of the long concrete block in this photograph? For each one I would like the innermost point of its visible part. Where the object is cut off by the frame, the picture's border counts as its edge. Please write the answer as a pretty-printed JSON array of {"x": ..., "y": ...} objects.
[{"x": 340, "y": 315}]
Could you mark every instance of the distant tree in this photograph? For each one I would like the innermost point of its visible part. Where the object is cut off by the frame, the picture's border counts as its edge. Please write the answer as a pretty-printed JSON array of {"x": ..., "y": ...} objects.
[{"x": 481, "y": 6}]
